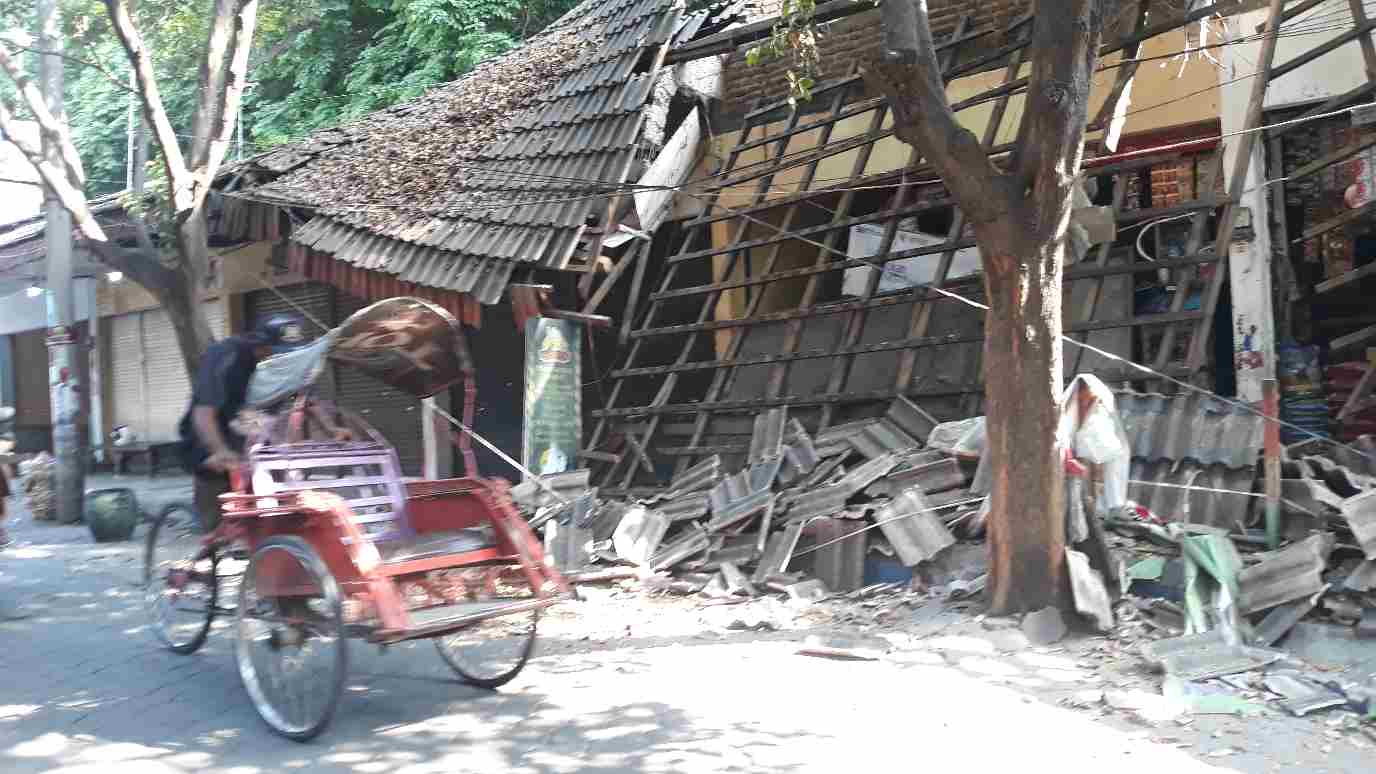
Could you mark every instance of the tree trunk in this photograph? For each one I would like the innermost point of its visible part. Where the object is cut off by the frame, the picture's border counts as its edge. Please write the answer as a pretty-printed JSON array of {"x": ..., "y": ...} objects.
[
  {"x": 1022, "y": 355},
  {"x": 182, "y": 297}
]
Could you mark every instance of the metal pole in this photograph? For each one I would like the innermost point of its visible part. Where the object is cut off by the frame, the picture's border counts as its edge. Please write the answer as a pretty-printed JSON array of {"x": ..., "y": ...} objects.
[
  {"x": 63, "y": 349},
  {"x": 1270, "y": 402},
  {"x": 95, "y": 371}
]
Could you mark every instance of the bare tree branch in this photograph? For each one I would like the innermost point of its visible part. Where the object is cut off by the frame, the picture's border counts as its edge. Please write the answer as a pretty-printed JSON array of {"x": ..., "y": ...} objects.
[
  {"x": 241, "y": 41},
  {"x": 56, "y": 178},
  {"x": 212, "y": 80},
  {"x": 47, "y": 122},
  {"x": 909, "y": 74},
  {"x": 151, "y": 98},
  {"x": 142, "y": 265},
  {"x": 109, "y": 76}
]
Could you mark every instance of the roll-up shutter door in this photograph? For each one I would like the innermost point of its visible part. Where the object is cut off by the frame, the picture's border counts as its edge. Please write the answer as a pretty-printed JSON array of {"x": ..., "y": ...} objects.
[
  {"x": 394, "y": 413},
  {"x": 150, "y": 387},
  {"x": 125, "y": 372},
  {"x": 313, "y": 299}
]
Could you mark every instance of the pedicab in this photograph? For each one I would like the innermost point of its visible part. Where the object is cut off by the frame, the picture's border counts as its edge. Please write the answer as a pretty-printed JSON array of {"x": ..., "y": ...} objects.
[{"x": 327, "y": 542}]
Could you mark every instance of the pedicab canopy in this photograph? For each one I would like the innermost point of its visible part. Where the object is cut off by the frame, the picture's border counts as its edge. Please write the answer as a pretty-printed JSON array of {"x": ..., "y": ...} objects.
[{"x": 410, "y": 344}]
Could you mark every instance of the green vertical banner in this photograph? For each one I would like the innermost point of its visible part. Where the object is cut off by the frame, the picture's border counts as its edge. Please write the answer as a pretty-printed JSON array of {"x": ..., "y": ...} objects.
[{"x": 553, "y": 417}]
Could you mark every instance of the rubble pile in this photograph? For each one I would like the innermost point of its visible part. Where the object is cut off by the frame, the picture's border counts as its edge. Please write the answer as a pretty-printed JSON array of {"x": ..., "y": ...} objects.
[
  {"x": 1166, "y": 547},
  {"x": 805, "y": 516},
  {"x": 1231, "y": 621}
]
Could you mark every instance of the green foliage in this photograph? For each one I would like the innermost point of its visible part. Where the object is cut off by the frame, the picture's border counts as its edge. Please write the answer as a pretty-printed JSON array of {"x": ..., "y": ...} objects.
[
  {"x": 364, "y": 55},
  {"x": 794, "y": 37},
  {"x": 315, "y": 63}
]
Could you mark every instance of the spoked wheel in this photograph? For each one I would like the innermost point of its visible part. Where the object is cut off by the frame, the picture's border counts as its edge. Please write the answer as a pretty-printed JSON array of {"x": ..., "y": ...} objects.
[
  {"x": 179, "y": 581},
  {"x": 290, "y": 647},
  {"x": 490, "y": 653}
]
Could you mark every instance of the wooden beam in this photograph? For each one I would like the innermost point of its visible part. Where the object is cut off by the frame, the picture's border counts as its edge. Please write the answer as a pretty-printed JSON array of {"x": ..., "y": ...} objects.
[
  {"x": 1237, "y": 183},
  {"x": 1337, "y": 221},
  {"x": 1346, "y": 278},
  {"x": 1323, "y": 162},
  {"x": 1361, "y": 30},
  {"x": 1353, "y": 339}
]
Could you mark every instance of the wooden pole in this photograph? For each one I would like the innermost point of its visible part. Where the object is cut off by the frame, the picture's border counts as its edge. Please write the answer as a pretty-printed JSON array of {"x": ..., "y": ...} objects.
[{"x": 1271, "y": 408}]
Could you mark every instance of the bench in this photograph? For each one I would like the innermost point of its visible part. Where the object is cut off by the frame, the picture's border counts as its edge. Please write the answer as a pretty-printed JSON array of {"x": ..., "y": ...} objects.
[{"x": 159, "y": 454}]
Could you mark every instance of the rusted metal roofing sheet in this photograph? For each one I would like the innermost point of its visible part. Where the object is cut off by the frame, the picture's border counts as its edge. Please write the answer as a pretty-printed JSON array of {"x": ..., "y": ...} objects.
[{"x": 1190, "y": 426}]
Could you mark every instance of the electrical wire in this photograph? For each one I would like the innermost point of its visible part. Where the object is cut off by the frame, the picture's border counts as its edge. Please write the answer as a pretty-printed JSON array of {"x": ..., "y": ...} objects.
[{"x": 1074, "y": 342}]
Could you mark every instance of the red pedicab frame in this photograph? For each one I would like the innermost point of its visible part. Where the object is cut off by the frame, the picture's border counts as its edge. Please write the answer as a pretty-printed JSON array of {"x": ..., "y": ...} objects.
[{"x": 339, "y": 546}]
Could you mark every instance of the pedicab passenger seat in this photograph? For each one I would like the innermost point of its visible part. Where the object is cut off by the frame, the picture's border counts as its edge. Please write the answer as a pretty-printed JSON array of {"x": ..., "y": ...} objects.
[{"x": 367, "y": 476}]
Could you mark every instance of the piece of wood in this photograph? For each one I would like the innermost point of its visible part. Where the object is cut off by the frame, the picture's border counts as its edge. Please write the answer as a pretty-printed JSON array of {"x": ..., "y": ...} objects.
[
  {"x": 1327, "y": 160},
  {"x": 1361, "y": 394},
  {"x": 1237, "y": 181},
  {"x": 1353, "y": 339},
  {"x": 1346, "y": 278},
  {"x": 1337, "y": 221},
  {"x": 1359, "y": 31}
]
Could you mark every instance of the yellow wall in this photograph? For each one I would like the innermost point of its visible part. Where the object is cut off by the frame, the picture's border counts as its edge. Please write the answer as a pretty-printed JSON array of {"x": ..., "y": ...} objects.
[
  {"x": 1164, "y": 87},
  {"x": 1168, "y": 93},
  {"x": 241, "y": 269}
]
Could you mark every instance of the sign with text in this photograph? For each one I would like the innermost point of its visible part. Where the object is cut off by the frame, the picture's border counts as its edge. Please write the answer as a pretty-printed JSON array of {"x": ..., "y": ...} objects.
[{"x": 553, "y": 419}]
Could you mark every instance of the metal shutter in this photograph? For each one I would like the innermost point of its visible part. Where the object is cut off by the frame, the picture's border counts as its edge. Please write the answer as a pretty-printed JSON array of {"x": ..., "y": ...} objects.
[
  {"x": 125, "y": 372},
  {"x": 169, "y": 386},
  {"x": 313, "y": 299},
  {"x": 395, "y": 414},
  {"x": 164, "y": 377}
]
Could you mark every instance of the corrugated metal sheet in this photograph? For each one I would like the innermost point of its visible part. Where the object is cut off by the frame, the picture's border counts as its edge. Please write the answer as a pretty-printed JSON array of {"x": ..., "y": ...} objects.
[
  {"x": 1189, "y": 492},
  {"x": 1190, "y": 426},
  {"x": 526, "y": 196}
]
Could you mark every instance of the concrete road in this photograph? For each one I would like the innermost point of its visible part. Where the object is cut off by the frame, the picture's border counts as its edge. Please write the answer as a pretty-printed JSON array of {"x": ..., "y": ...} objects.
[{"x": 86, "y": 688}]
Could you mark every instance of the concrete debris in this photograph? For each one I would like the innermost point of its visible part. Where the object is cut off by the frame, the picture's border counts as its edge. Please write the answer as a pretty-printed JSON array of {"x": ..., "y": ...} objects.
[
  {"x": 842, "y": 651},
  {"x": 1044, "y": 627},
  {"x": 1150, "y": 708},
  {"x": 735, "y": 580},
  {"x": 639, "y": 534},
  {"x": 1091, "y": 595},
  {"x": 807, "y": 591},
  {"x": 1206, "y": 655}
]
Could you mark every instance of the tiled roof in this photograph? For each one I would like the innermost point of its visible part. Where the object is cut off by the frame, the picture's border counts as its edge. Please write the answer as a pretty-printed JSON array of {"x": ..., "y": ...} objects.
[{"x": 501, "y": 168}]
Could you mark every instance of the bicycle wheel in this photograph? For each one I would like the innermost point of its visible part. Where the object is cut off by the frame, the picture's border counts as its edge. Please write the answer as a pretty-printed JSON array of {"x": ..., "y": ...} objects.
[
  {"x": 290, "y": 645},
  {"x": 179, "y": 581},
  {"x": 490, "y": 653}
]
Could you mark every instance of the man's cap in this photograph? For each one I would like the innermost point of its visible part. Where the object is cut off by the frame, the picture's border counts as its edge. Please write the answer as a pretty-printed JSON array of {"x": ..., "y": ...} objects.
[{"x": 282, "y": 332}]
